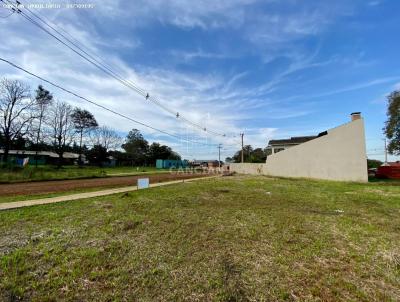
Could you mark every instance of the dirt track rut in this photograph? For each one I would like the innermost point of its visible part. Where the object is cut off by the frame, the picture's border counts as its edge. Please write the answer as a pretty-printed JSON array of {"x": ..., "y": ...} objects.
[{"x": 45, "y": 187}]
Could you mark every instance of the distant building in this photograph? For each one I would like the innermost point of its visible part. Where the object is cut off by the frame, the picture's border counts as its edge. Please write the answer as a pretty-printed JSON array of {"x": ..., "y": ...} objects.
[
  {"x": 110, "y": 162},
  {"x": 43, "y": 157},
  {"x": 171, "y": 164},
  {"x": 205, "y": 163},
  {"x": 336, "y": 154},
  {"x": 277, "y": 145},
  {"x": 389, "y": 170}
]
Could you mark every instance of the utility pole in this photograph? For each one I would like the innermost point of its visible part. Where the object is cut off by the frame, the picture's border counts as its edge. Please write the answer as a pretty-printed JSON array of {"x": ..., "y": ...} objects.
[
  {"x": 219, "y": 155},
  {"x": 241, "y": 135},
  {"x": 385, "y": 151}
]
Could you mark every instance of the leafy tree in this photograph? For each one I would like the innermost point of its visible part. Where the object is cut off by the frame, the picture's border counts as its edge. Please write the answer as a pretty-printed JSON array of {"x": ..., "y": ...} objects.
[
  {"x": 392, "y": 128},
  {"x": 83, "y": 122},
  {"x": 136, "y": 146},
  {"x": 1, "y": 140},
  {"x": 21, "y": 143},
  {"x": 237, "y": 157},
  {"x": 373, "y": 163},
  {"x": 61, "y": 127},
  {"x": 250, "y": 155},
  {"x": 16, "y": 112},
  {"x": 123, "y": 158},
  {"x": 97, "y": 155},
  {"x": 258, "y": 156},
  {"x": 43, "y": 100},
  {"x": 76, "y": 149},
  {"x": 157, "y": 151},
  {"x": 43, "y": 146},
  {"x": 247, "y": 150}
]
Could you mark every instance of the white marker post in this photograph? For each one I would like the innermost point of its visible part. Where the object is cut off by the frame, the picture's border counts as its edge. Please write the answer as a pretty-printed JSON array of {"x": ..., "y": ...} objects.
[{"x": 143, "y": 183}]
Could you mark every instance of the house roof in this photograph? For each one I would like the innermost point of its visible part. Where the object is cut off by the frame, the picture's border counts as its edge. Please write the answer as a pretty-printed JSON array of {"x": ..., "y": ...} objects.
[
  {"x": 291, "y": 141},
  {"x": 42, "y": 153},
  {"x": 394, "y": 164},
  {"x": 201, "y": 161}
]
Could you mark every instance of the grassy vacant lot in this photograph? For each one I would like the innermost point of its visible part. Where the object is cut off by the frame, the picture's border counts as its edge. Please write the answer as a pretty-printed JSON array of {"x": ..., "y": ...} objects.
[
  {"x": 31, "y": 173},
  {"x": 228, "y": 239}
]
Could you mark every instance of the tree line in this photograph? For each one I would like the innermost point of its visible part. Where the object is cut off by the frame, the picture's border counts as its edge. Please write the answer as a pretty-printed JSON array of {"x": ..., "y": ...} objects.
[
  {"x": 250, "y": 155},
  {"x": 392, "y": 125},
  {"x": 40, "y": 122}
]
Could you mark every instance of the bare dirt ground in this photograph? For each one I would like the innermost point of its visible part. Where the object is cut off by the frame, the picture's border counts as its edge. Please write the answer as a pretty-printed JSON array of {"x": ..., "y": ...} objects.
[{"x": 44, "y": 187}]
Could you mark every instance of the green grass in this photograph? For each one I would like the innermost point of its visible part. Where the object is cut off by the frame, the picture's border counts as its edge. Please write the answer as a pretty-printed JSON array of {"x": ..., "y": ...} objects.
[
  {"x": 31, "y": 173},
  {"x": 228, "y": 239},
  {"x": 384, "y": 180}
]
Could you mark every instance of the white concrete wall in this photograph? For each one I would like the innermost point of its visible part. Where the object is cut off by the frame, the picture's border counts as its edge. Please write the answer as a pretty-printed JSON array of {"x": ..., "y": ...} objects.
[
  {"x": 247, "y": 168},
  {"x": 339, "y": 155}
]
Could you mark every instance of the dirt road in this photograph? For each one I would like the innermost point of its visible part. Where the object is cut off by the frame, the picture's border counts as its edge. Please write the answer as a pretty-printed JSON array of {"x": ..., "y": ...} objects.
[{"x": 44, "y": 187}]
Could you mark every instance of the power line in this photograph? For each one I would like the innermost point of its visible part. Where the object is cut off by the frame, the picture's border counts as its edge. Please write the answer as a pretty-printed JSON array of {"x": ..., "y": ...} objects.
[
  {"x": 76, "y": 42},
  {"x": 106, "y": 69},
  {"x": 137, "y": 89},
  {"x": 96, "y": 63},
  {"x": 71, "y": 48},
  {"x": 99, "y": 105},
  {"x": 12, "y": 11}
]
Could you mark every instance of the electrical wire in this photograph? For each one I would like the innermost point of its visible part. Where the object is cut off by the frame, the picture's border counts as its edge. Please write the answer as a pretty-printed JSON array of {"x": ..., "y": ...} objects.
[
  {"x": 12, "y": 11},
  {"x": 99, "y": 105},
  {"x": 100, "y": 61},
  {"x": 102, "y": 66},
  {"x": 99, "y": 65}
]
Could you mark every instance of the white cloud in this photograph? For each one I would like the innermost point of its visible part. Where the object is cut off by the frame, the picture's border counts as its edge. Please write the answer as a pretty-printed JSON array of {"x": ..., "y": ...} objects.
[
  {"x": 356, "y": 86},
  {"x": 188, "y": 56},
  {"x": 213, "y": 100},
  {"x": 374, "y": 3},
  {"x": 187, "y": 93},
  {"x": 258, "y": 138},
  {"x": 382, "y": 99}
]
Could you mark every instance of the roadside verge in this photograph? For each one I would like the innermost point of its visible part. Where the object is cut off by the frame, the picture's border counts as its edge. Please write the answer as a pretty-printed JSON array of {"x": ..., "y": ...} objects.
[{"x": 33, "y": 202}]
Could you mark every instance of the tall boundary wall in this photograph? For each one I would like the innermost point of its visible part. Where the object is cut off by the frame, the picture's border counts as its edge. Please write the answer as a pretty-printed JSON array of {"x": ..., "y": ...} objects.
[{"x": 338, "y": 155}]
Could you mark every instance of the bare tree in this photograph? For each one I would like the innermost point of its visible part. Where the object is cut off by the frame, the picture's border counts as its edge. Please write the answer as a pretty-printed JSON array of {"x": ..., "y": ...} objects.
[
  {"x": 16, "y": 111},
  {"x": 107, "y": 137},
  {"x": 43, "y": 100},
  {"x": 61, "y": 127}
]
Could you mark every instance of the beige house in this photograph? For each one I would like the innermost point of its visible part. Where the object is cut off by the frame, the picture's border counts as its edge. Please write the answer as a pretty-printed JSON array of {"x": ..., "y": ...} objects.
[{"x": 336, "y": 154}]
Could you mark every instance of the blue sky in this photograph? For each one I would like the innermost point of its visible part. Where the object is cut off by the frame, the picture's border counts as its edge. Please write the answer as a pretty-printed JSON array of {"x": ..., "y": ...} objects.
[{"x": 272, "y": 69}]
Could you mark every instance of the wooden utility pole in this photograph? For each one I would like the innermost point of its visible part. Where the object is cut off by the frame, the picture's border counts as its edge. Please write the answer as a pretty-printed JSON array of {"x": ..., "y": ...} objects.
[
  {"x": 385, "y": 151},
  {"x": 219, "y": 155},
  {"x": 241, "y": 135}
]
